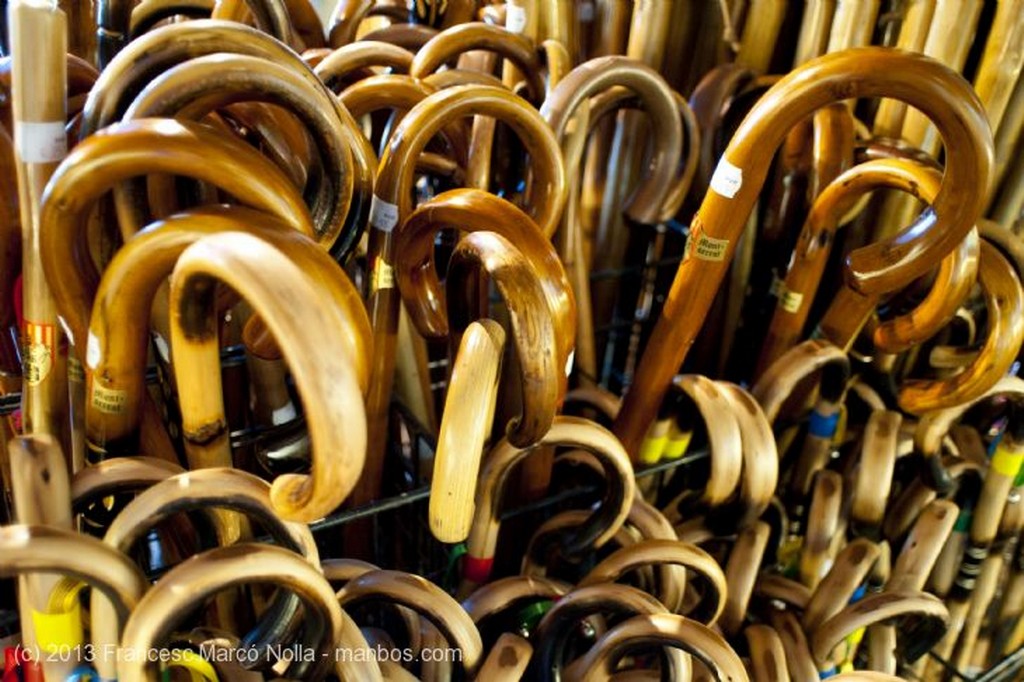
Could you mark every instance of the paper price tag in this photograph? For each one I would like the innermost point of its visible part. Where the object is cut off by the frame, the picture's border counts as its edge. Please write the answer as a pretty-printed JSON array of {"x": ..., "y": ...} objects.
[
  {"x": 727, "y": 179},
  {"x": 383, "y": 214},
  {"x": 40, "y": 142},
  {"x": 700, "y": 245},
  {"x": 515, "y": 18}
]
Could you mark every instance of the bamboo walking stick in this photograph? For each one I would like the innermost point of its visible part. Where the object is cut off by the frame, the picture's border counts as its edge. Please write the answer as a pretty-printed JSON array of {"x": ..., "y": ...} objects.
[
  {"x": 743, "y": 170},
  {"x": 287, "y": 302},
  {"x": 914, "y": 27}
]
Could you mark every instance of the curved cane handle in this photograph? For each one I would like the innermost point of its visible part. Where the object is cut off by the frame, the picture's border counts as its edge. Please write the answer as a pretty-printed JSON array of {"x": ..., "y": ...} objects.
[
  {"x": 204, "y": 84},
  {"x": 562, "y": 621},
  {"x": 597, "y": 75},
  {"x": 30, "y": 549},
  {"x": 202, "y": 576},
  {"x": 152, "y": 54},
  {"x": 824, "y": 523},
  {"x": 741, "y": 574},
  {"x": 724, "y": 436},
  {"x": 284, "y": 296},
  {"x": 873, "y": 478},
  {"x": 341, "y": 64},
  {"x": 396, "y": 171},
  {"x": 879, "y": 608},
  {"x": 760, "y": 473},
  {"x": 201, "y": 490},
  {"x": 849, "y": 570},
  {"x": 505, "y": 593},
  {"x": 653, "y": 552},
  {"x": 692, "y": 637},
  {"x": 542, "y": 374},
  {"x": 1004, "y": 301},
  {"x": 798, "y": 652},
  {"x": 767, "y": 655},
  {"x": 270, "y": 16},
  {"x": 465, "y": 427},
  {"x": 508, "y": 659},
  {"x": 865, "y": 72},
  {"x": 604, "y": 521},
  {"x": 118, "y": 475},
  {"x": 474, "y": 210},
  {"x": 814, "y": 245},
  {"x": 149, "y": 13},
  {"x": 787, "y": 591},
  {"x": 921, "y": 549},
  {"x": 119, "y": 327},
  {"x": 454, "y": 41},
  {"x": 779, "y": 381},
  {"x": 427, "y": 599},
  {"x": 112, "y": 156}
]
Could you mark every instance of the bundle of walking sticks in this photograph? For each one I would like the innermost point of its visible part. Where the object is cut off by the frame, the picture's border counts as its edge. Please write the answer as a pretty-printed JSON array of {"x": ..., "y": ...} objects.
[{"x": 730, "y": 290}]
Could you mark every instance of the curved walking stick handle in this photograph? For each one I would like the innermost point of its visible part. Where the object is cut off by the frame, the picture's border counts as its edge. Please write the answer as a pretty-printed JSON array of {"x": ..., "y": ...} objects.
[{"x": 921, "y": 82}]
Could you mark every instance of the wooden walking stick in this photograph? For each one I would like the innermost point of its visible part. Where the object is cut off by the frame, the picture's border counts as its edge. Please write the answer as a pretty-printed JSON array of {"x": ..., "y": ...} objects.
[
  {"x": 612, "y": 603},
  {"x": 149, "y": 13},
  {"x": 641, "y": 632},
  {"x": 186, "y": 92},
  {"x": 393, "y": 204},
  {"x": 39, "y": 46},
  {"x": 603, "y": 522},
  {"x": 189, "y": 584},
  {"x": 26, "y": 549},
  {"x": 287, "y": 302},
  {"x": 202, "y": 490},
  {"x": 743, "y": 169},
  {"x": 465, "y": 426}
]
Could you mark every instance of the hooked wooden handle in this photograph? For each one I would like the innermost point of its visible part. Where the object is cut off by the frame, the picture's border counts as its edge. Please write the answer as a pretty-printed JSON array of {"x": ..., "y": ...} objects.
[
  {"x": 506, "y": 593},
  {"x": 457, "y": 40},
  {"x": 284, "y": 296},
  {"x": 118, "y": 475},
  {"x": 604, "y": 521},
  {"x": 919, "y": 81},
  {"x": 465, "y": 427},
  {"x": 112, "y": 156},
  {"x": 1004, "y": 301},
  {"x": 780, "y": 380},
  {"x": 639, "y": 632},
  {"x": 542, "y": 371},
  {"x": 195, "y": 580},
  {"x": 562, "y": 621},
  {"x": 201, "y": 85},
  {"x": 149, "y": 13},
  {"x": 119, "y": 327},
  {"x": 341, "y": 63},
  {"x": 427, "y": 599},
  {"x": 30, "y": 549},
  {"x": 597, "y": 75},
  {"x": 653, "y": 552}
]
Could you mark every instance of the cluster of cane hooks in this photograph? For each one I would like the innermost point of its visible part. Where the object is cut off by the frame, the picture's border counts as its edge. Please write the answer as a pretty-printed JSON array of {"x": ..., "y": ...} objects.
[{"x": 729, "y": 291}]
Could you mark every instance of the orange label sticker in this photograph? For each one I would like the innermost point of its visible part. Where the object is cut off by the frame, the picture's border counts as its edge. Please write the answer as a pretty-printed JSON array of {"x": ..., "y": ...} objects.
[{"x": 40, "y": 345}]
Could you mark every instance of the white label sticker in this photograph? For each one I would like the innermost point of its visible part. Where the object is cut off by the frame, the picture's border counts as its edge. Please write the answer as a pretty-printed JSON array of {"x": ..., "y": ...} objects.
[
  {"x": 586, "y": 12},
  {"x": 383, "y": 215},
  {"x": 727, "y": 179},
  {"x": 515, "y": 18},
  {"x": 93, "y": 354},
  {"x": 162, "y": 347},
  {"x": 284, "y": 414},
  {"x": 40, "y": 142}
]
